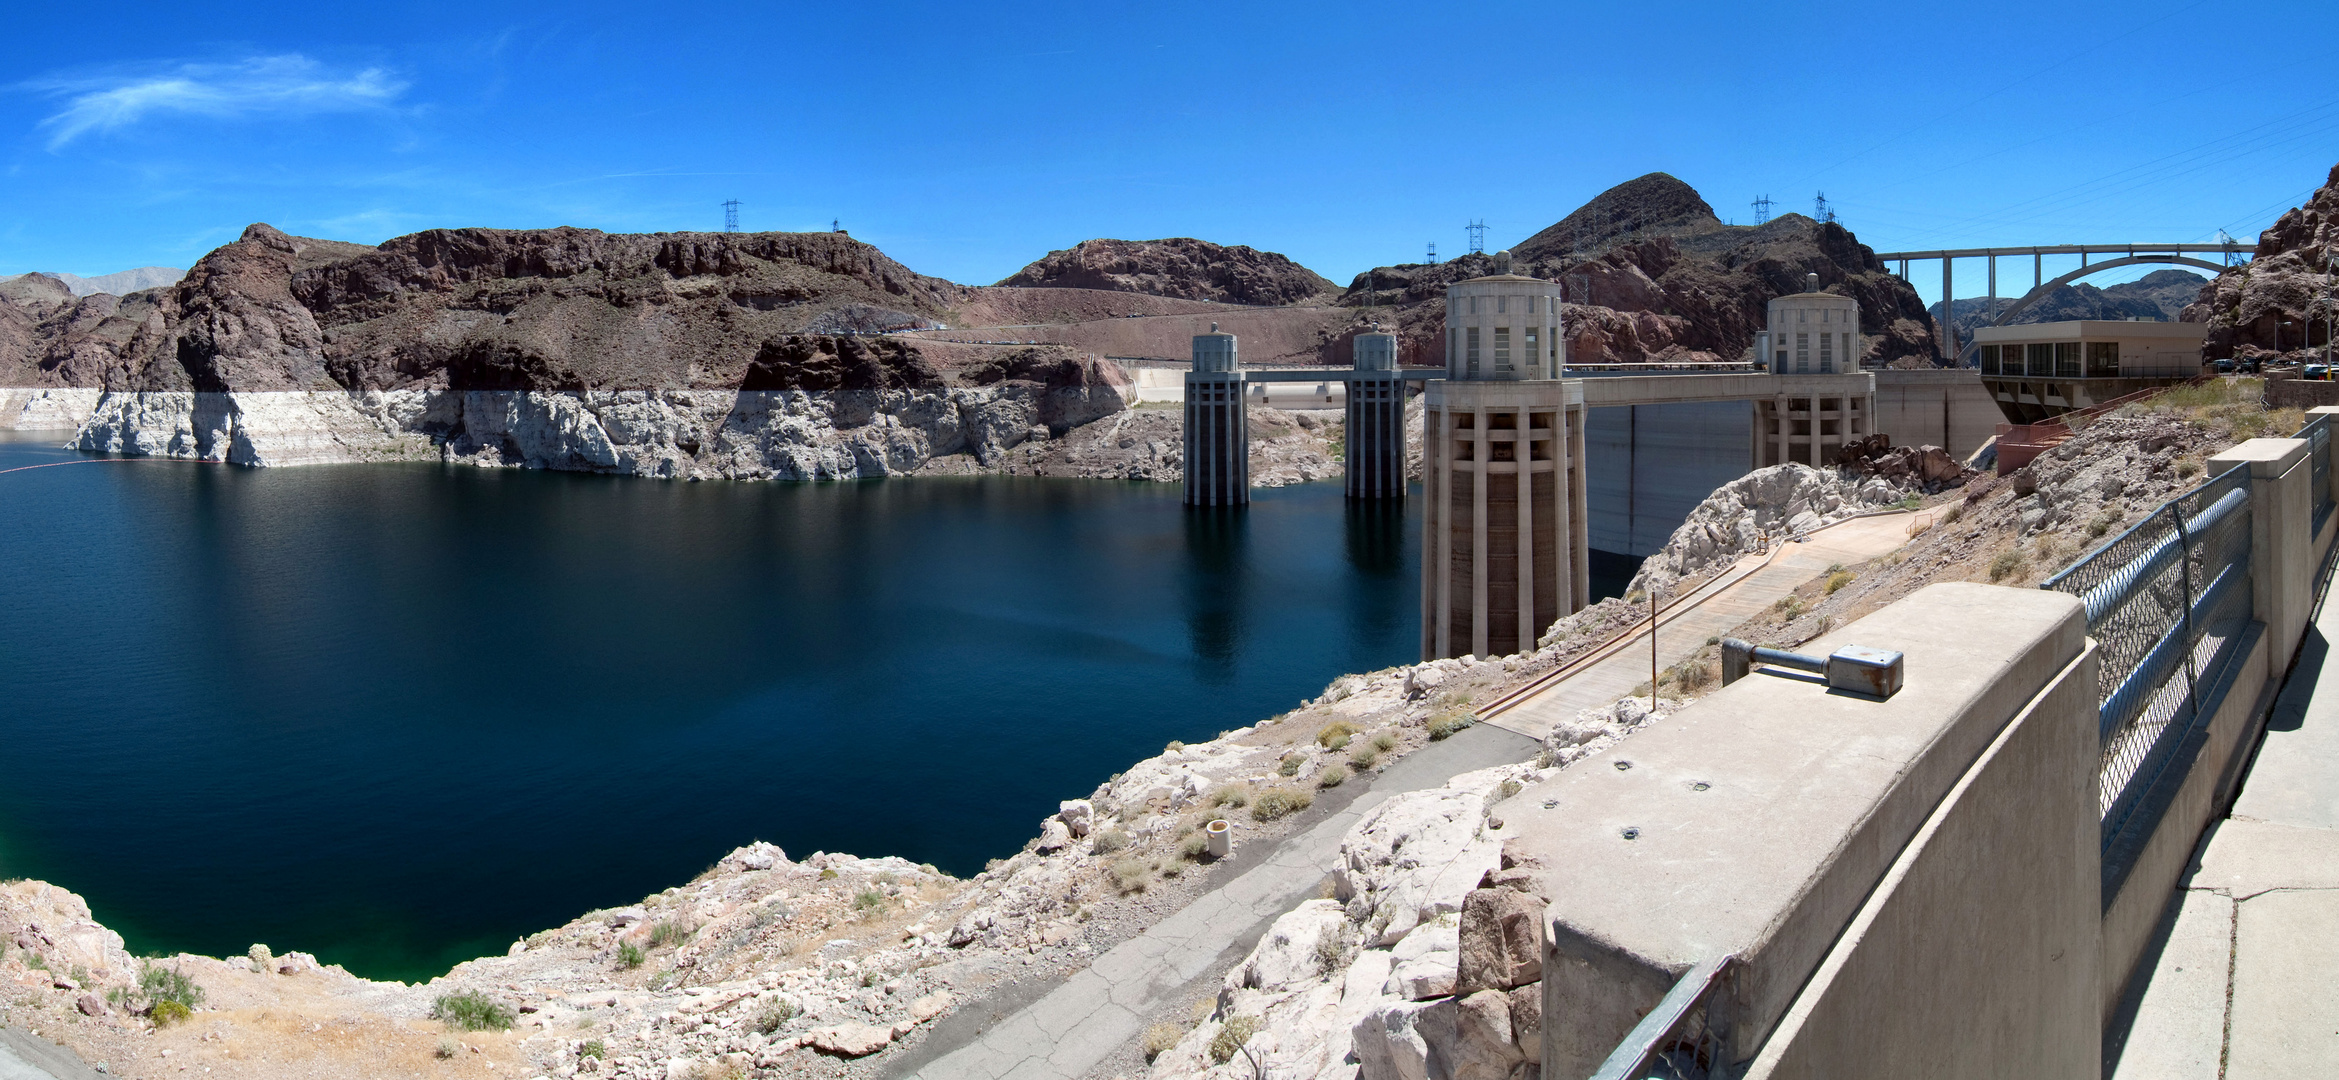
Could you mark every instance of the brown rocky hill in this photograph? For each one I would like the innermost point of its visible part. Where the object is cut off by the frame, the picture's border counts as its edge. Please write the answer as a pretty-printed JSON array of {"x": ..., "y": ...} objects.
[
  {"x": 567, "y": 309},
  {"x": 1652, "y": 275},
  {"x": 2260, "y": 308},
  {"x": 1180, "y": 267}
]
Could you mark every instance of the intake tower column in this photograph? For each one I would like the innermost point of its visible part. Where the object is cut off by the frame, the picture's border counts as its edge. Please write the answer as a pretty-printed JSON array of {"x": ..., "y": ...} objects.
[
  {"x": 1503, "y": 547},
  {"x": 1218, "y": 430},
  {"x": 1375, "y": 450}
]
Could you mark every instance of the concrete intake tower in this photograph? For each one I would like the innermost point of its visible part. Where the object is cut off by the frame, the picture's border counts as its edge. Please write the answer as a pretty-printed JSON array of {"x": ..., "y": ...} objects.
[{"x": 1504, "y": 552}]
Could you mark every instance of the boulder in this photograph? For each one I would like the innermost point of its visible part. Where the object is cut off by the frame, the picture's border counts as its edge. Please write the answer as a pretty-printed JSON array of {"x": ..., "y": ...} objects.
[
  {"x": 91, "y": 1005},
  {"x": 1424, "y": 963},
  {"x": 1413, "y": 858},
  {"x": 1527, "y": 1019},
  {"x": 1483, "y": 1047},
  {"x": 1500, "y": 944},
  {"x": 1289, "y": 953},
  {"x": 1405, "y": 1040},
  {"x": 1055, "y": 836},
  {"x": 851, "y": 1039},
  {"x": 1077, "y": 815}
]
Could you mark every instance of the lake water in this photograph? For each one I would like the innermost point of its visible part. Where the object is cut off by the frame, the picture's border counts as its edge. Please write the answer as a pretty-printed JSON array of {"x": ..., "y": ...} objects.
[{"x": 398, "y": 715}]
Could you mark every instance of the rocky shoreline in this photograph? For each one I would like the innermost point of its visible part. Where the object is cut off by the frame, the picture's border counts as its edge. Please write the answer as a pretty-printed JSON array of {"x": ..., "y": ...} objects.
[{"x": 1013, "y": 427}]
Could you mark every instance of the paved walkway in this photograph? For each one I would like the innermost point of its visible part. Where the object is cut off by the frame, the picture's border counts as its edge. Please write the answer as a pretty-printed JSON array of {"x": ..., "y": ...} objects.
[
  {"x": 1757, "y": 582},
  {"x": 2247, "y": 985},
  {"x": 1080, "y": 1023},
  {"x": 28, "y": 1057}
]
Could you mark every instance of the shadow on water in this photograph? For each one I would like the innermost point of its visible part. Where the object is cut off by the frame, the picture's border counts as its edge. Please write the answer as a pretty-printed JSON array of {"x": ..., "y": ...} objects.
[
  {"x": 1216, "y": 563},
  {"x": 1380, "y": 553}
]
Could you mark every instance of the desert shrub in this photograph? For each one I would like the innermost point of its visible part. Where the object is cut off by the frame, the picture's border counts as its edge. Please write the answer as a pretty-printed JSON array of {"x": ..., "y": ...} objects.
[
  {"x": 446, "y": 1049},
  {"x": 1231, "y": 795},
  {"x": 1193, "y": 846},
  {"x": 668, "y": 932},
  {"x": 1836, "y": 581},
  {"x": 1331, "y": 952},
  {"x": 1274, "y": 804},
  {"x": 1173, "y": 747},
  {"x": 828, "y": 873},
  {"x": 2104, "y": 522},
  {"x": 1955, "y": 511},
  {"x": 1231, "y": 1036},
  {"x": 629, "y": 954},
  {"x": 1789, "y": 606},
  {"x": 1333, "y": 776},
  {"x": 166, "y": 1013},
  {"x": 593, "y": 1048},
  {"x": 1335, "y": 735},
  {"x": 1291, "y": 764},
  {"x": 2186, "y": 467},
  {"x": 1912, "y": 502},
  {"x": 2006, "y": 563},
  {"x": 868, "y": 901},
  {"x": 471, "y": 1010},
  {"x": 1363, "y": 757},
  {"x": 261, "y": 958},
  {"x": 1445, "y": 724},
  {"x": 774, "y": 1016},
  {"x": 1107, "y": 841},
  {"x": 1507, "y": 789},
  {"x": 159, "y": 984},
  {"x": 1129, "y": 875},
  {"x": 1384, "y": 742},
  {"x": 1160, "y": 1038}
]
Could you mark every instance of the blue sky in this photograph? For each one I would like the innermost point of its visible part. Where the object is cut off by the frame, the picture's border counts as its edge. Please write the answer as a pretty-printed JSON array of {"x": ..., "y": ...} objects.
[{"x": 968, "y": 139}]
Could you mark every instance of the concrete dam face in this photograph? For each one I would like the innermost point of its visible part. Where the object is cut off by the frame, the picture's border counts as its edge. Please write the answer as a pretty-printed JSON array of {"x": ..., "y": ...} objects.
[{"x": 1648, "y": 466}]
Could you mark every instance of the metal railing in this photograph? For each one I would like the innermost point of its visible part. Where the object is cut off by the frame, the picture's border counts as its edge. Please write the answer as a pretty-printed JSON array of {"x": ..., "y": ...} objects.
[
  {"x": 2317, "y": 433},
  {"x": 2166, "y": 602},
  {"x": 1686, "y": 1037}
]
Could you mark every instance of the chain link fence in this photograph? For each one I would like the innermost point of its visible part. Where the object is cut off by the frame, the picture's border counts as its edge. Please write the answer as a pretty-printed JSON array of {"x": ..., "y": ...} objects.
[
  {"x": 2317, "y": 433},
  {"x": 2166, "y": 601}
]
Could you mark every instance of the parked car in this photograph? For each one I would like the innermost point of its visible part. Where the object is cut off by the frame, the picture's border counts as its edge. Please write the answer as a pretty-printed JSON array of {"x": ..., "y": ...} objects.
[
  {"x": 2315, "y": 371},
  {"x": 2224, "y": 367}
]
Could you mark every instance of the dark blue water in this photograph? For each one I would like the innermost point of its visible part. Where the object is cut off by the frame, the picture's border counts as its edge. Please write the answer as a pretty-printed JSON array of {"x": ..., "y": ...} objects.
[{"x": 399, "y": 715}]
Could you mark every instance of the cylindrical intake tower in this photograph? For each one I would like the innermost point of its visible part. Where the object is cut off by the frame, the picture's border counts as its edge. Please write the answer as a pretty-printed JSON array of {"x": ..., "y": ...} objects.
[
  {"x": 1375, "y": 451},
  {"x": 1218, "y": 430},
  {"x": 1504, "y": 547}
]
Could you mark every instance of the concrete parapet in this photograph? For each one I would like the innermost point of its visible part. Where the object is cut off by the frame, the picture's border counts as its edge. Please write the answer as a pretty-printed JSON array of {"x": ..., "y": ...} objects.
[
  {"x": 1976, "y": 955},
  {"x": 1758, "y": 821}
]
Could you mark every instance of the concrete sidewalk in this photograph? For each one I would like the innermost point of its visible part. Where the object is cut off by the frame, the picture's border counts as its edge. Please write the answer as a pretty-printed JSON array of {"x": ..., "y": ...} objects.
[
  {"x": 2247, "y": 982},
  {"x": 24, "y": 1056}
]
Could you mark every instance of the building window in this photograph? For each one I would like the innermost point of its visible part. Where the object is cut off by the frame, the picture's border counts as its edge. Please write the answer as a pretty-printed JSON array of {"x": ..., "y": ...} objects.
[
  {"x": 1802, "y": 353},
  {"x": 2103, "y": 359},
  {"x": 1502, "y": 305},
  {"x": 1533, "y": 354},
  {"x": 1826, "y": 351},
  {"x": 1502, "y": 348},
  {"x": 1802, "y": 315},
  {"x": 2066, "y": 359},
  {"x": 1989, "y": 359},
  {"x": 1825, "y": 315},
  {"x": 1471, "y": 351},
  {"x": 1473, "y": 305},
  {"x": 2039, "y": 360}
]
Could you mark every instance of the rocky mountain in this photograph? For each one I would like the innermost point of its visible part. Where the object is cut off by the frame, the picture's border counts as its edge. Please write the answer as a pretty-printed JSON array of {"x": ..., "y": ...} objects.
[
  {"x": 2160, "y": 296},
  {"x": 550, "y": 309},
  {"x": 1653, "y": 275},
  {"x": 122, "y": 282},
  {"x": 2261, "y": 308},
  {"x": 1180, "y": 267}
]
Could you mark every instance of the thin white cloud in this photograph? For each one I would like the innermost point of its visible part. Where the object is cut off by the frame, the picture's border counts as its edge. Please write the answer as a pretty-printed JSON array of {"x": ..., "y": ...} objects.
[{"x": 270, "y": 85}]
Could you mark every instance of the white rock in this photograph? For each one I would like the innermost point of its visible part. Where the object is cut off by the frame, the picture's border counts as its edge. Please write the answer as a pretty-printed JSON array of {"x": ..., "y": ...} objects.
[
  {"x": 1077, "y": 815},
  {"x": 1055, "y": 836},
  {"x": 1395, "y": 1041},
  {"x": 1286, "y": 955},
  {"x": 1423, "y": 964}
]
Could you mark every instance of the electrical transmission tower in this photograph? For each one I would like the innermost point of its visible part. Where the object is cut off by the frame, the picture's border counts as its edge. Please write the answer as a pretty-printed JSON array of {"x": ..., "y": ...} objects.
[
  {"x": 1477, "y": 237},
  {"x": 1819, "y": 208},
  {"x": 1433, "y": 253},
  {"x": 2232, "y": 256},
  {"x": 1762, "y": 209},
  {"x": 730, "y": 215}
]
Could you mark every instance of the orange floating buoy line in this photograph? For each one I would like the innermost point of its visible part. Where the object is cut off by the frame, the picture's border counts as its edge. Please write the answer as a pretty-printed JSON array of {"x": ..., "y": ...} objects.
[{"x": 101, "y": 460}]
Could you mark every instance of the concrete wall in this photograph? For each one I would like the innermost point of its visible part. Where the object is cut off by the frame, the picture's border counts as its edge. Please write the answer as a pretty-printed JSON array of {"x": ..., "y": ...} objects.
[
  {"x": 1758, "y": 821},
  {"x": 1648, "y": 466},
  {"x": 1947, "y": 408},
  {"x": 1990, "y": 911}
]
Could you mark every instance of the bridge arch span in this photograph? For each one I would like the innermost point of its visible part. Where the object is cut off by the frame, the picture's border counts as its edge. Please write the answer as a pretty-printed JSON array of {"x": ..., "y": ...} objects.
[{"x": 2034, "y": 295}]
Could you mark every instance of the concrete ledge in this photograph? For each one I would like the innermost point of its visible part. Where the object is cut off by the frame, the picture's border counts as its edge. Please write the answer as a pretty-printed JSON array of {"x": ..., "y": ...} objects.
[
  {"x": 1763, "y": 816},
  {"x": 1992, "y": 906}
]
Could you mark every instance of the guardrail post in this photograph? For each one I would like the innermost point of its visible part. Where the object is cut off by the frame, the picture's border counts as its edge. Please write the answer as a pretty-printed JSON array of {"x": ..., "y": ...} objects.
[{"x": 2282, "y": 539}]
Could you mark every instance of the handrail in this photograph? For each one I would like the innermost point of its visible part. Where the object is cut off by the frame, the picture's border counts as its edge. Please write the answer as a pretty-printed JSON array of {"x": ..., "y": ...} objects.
[{"x": 1641, "y": 1048}]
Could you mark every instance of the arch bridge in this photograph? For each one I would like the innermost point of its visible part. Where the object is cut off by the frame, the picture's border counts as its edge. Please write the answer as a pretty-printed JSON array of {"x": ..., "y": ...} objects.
[{"x": 2233, "y": 251}]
